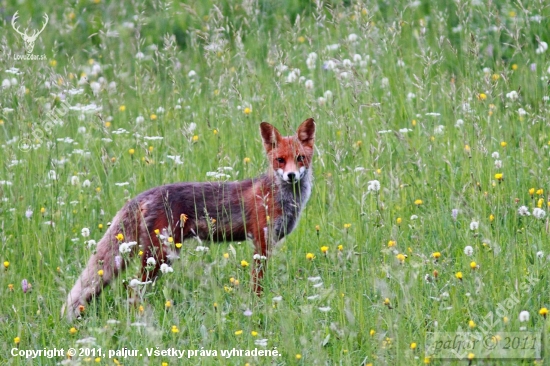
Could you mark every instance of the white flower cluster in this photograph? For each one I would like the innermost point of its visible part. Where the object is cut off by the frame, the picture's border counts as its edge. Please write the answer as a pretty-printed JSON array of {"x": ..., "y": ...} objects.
[
  {"x": 373, "y": 186},
  {"x": 125, "y": 248}
]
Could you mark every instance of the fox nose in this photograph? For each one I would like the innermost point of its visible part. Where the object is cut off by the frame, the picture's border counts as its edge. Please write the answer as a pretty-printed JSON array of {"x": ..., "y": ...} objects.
[{"x": 291, "y": 176}]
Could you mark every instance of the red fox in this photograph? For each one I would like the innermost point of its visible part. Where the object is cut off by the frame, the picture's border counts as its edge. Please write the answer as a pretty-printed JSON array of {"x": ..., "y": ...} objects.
[{"x": 263, "y": 209}]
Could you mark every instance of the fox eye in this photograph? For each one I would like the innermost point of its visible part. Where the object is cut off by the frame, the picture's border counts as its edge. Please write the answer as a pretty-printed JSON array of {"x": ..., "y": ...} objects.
[
  {"x": 280, "y": 160},
  {"x": 300, "y": 158}
]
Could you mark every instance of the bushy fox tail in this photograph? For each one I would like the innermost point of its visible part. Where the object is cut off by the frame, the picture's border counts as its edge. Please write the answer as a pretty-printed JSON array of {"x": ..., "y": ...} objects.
[{"x": 105, "y": 263}]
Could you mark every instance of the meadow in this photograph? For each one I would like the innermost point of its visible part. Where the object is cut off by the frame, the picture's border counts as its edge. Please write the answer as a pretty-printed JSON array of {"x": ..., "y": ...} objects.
[{"x": 431, "y": 191}]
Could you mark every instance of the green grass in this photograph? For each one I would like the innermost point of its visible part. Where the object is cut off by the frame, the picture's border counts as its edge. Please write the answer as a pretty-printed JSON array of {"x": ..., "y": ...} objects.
[{"x": 459, "y": 61}]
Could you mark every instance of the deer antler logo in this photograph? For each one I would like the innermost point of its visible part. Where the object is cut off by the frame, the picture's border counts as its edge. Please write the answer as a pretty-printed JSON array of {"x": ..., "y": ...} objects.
[{"x": 29, "y": 40}]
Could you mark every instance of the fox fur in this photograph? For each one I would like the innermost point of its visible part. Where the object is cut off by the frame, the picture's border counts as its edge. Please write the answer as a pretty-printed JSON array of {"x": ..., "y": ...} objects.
[{"x": 264, "y": 209}]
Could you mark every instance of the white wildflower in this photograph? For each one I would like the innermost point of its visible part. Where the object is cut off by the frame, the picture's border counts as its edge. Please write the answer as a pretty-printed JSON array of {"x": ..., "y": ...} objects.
[
  {"x": 468, "y": 250},
  {"x": 539, "y": 213},
  {"x": 330, "y": 65},
  {"x": 513, "y": 95},
  {"x": 543, "y": 46},
  {"x": 165, "y": 268},
  {"x": 495, "y": 155},
  {"x": 311, "y": 60},
  {"x": 373, "y": 186},
  {"x": 85, "y": 232},
  {"x": 138, "y": 324},
  {"x": 96, "y": 87},
  {"x": 524, "y": 211},
  {"x": 135, "y": 283},
  {"x": 126, "y": 247},
  {"x": 353, "y": 37},
  {"x": 261, "y": 342},
  {"x": 291, "y": 77},
  {"x": 524, "y": 316},
  {"x": 474, "y": 225}
]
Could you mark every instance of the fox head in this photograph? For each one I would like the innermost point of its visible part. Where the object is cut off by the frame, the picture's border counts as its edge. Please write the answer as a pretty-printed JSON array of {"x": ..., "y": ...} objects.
[{"x": 289, "y": 156}]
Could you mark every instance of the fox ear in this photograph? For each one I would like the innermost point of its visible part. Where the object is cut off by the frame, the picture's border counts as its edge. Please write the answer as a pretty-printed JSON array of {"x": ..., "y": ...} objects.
[
  {"x": 270, "y": 136},
  {"x": 306, "y": 132}
]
